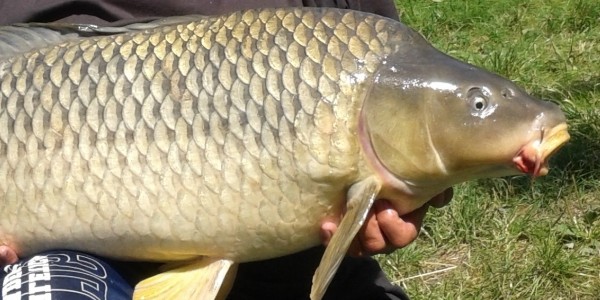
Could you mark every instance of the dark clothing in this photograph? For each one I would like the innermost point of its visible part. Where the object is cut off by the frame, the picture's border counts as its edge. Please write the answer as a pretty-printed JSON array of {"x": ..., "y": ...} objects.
[
  {"x": 290, "y": 277},
  {"x": 72, "y": 275},
  {"x": 102, "y": 12},
  {"x": 63, "y": 275}
]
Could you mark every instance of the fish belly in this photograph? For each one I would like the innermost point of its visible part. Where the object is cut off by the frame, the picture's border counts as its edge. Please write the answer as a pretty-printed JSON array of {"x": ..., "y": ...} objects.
[{"x": 230, "y": 136}]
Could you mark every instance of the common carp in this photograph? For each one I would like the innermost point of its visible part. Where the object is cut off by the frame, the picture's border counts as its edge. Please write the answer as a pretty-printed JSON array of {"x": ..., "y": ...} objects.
[{"x": 215, "y": 140}]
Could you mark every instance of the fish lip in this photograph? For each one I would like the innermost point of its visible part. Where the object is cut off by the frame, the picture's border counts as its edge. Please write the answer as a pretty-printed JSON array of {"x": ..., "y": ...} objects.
[{"x": 533, "y": 157}]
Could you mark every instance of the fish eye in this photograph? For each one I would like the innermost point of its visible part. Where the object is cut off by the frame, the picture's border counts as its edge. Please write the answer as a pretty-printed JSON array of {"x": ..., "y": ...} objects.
[{"x": 477, "y": 99}]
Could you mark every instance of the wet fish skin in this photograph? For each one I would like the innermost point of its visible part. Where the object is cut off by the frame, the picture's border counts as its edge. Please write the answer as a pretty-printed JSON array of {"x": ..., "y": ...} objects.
[{"x": 231, "y": 136}]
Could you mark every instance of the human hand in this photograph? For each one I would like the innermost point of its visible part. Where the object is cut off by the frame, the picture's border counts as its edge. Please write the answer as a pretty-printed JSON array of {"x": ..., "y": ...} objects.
[
  {"x": 8, "y": 256},
  {"x": 384, "y": 230}
]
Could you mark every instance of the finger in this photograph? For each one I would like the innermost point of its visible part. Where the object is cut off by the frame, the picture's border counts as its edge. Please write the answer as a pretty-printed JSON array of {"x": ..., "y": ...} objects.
[
  {"x": 403, "y": 230},
  {"x": 371, "y": 238},
  {"x": 328, "y": 228},
  {"x": 7, "y": 256}
]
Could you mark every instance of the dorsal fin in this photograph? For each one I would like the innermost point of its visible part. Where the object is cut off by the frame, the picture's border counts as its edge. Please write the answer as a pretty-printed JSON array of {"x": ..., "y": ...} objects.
[{"x": 19, "y": 38}]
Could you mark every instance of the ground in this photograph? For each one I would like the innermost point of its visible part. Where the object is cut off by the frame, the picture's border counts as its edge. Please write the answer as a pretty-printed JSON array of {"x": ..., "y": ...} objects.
[{"x": 517, "y": 238}]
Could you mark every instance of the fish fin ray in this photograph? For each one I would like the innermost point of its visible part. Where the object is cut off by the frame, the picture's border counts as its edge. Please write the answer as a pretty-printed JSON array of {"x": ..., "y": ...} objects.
[
  {"x": 206, "y": 278},
  {"x": 360, "y": 199},
  {"x": 19, "y": 38},
  {"x": 24, "y": 37}
]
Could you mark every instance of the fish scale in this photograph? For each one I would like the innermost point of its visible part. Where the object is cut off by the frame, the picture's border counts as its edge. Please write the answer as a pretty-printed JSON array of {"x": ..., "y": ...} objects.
[
  {"x": 146, "y": 141},
  {"x": 235, "y": 138}
]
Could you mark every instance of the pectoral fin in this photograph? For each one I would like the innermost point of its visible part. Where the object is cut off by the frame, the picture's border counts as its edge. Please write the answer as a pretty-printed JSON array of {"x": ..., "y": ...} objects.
[
  {"x": 203, "y": 279},
  {"x": 361, "y": 197}
]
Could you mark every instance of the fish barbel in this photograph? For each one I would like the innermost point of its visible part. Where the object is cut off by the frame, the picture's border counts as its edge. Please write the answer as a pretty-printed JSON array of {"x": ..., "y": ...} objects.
[{"x": 230, "y": 138}]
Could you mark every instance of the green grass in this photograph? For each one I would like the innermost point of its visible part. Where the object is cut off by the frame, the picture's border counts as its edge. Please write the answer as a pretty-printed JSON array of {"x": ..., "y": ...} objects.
[{"x": 512, "y": 238}]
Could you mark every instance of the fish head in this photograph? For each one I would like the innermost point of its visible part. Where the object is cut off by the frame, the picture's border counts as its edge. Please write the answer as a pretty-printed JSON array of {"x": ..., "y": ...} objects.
[
  {"x": 431, "y": 119},
  {"x": 493, "y": 127}
]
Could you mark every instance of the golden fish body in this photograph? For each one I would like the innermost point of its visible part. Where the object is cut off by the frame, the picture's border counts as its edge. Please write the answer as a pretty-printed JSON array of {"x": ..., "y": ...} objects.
[
  {"x": 229, "y": 136},
  {"x": 233, "y": 137}
]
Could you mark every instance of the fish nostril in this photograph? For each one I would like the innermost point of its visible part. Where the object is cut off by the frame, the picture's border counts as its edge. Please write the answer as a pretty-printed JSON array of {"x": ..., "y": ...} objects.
[{"x": 507, "y": 93}]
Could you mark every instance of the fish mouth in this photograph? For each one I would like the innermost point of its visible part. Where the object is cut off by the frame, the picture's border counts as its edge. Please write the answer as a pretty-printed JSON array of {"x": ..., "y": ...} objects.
[{"x": 533, "y": 157}]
